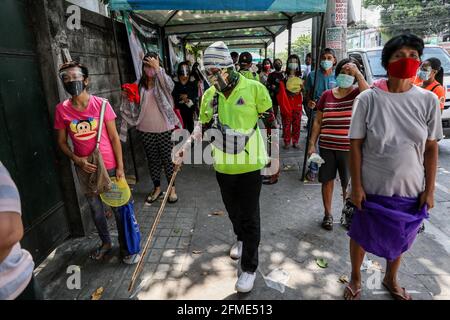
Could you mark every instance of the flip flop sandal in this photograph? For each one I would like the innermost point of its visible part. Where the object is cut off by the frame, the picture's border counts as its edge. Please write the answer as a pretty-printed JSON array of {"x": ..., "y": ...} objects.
[
  {"x": 398, "y": 296},
  {"x": 152, "y": 197},
  {"x": 100, "y": 253},
  {"x": 172, "y": 199},
  {"x": 356, "y": 295},
  {"x": 327, "y": 223}
]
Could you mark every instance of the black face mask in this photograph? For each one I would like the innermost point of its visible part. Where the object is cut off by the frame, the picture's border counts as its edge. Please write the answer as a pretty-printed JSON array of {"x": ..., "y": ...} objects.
[
  {"x": 74, "y": 88},
  {"x": 244, "y": 66},
  {"x": 277, "y": 67}
]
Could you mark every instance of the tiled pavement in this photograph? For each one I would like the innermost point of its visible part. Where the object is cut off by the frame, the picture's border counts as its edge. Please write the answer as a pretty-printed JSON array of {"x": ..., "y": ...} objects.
[{"x": 189, "y": 255}]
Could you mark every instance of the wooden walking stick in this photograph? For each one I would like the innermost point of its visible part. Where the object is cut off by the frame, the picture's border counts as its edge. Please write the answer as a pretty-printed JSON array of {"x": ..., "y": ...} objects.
[{"x": 139, "y": 266}]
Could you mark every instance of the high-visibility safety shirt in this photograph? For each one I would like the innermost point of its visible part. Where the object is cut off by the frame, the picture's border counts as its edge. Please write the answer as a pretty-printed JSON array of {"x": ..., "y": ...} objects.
[
  {"x": 438, "y": 90},
  {"x": 240, "y": 111},
  {"x": 249, "y": 75}
]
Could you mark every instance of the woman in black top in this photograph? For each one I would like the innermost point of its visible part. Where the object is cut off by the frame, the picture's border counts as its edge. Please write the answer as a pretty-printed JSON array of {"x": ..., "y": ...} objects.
[
  {"x": 185, "y": 95},
  {"x": 273, "y": 83}
]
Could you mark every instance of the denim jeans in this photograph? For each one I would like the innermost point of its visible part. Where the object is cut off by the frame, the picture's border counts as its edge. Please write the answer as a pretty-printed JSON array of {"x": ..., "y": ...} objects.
[{"x": 100, "y": 221}]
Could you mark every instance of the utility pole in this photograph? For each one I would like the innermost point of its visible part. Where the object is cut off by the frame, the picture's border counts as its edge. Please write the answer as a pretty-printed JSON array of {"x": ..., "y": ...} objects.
[
  {"x": 360, "y": 29},
  {"x": 336, "y": 27}
]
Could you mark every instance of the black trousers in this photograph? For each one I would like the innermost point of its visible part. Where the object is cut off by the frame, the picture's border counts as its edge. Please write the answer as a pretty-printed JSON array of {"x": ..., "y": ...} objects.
[
  {"x": 187, "y": 114},
  {"x": 240, "y": 194}
]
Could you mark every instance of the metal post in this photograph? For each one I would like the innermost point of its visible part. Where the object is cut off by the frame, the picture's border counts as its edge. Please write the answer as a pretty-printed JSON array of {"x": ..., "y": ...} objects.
[
  {"x": 130, "y": 140},
  {"x": 289, "y": 36},
  {"x": 165, "y": 51},
  {"x": 319, "y": 48},
  {"x": 265, "y": 51},
  {"x": 113, "y": 16},
  {"x": 274, "y": 46},
  {"x": 183, "y": 43}
]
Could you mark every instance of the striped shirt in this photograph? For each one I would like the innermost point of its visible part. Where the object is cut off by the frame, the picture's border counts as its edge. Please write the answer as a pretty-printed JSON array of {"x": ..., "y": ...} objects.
[
  {"x": 337, "y": 114},
  {"x": 17, "y": 268}
]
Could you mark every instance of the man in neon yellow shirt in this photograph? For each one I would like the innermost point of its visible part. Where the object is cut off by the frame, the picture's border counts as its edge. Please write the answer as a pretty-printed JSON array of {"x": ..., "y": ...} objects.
[
  {"x": 236, "y": 103},
  {"x": 245, "y": 64}
]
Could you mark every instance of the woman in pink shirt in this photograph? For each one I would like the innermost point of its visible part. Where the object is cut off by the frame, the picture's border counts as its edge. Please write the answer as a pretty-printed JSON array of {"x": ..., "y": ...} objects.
[
  {"x": 78, "y": 118},
  {"x": 157, "y": 120}
]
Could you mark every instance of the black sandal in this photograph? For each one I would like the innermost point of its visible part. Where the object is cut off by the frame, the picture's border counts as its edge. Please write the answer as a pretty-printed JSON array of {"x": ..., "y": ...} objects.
[
  {"x": 100, "y": 253},
  {"x": 327, "y": 223}
]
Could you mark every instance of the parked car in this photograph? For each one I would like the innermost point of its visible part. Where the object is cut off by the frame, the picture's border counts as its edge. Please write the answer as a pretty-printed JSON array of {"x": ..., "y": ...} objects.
[{"x": 370, "y": 59}]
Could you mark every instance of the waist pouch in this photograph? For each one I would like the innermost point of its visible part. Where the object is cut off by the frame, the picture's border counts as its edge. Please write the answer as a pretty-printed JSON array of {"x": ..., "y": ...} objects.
[{"x": 225, "y": 138}]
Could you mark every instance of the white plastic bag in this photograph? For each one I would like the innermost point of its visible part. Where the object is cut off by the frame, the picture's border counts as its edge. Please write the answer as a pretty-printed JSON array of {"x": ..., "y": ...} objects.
[
  {"x": 315, "y": 158},
  {"x": 277, "y": 279}
]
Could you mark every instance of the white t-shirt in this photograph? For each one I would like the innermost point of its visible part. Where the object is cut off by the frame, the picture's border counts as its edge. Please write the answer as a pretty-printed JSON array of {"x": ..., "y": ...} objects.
[
  {"x": 395, "y": 127},
  {"x": 17, "y": 268}
]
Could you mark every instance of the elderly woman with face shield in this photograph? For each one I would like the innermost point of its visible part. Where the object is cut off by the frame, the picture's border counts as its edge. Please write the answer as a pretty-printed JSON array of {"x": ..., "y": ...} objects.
[
  {"x": 156, "y": 122},
  {"x": 78, "y": 117},
  {"x": 230, "y": 110},
  {"x": 185, "y": 95}
]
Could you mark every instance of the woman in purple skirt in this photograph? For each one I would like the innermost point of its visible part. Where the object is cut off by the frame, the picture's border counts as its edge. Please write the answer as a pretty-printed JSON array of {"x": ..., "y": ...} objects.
[{"x": 393, "y": 161}]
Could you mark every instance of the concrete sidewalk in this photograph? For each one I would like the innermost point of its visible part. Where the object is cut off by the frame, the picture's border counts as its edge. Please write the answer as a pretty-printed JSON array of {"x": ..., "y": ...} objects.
[{"x": 189, "y": 256}]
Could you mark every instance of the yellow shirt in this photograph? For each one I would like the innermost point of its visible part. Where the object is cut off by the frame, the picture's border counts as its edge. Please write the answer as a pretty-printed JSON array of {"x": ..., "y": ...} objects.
[{"x": 240, "y": 111}]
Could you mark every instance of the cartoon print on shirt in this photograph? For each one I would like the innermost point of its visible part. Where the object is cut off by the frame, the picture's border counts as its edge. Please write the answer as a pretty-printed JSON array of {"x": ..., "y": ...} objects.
[{"x": 84, "y": 129}]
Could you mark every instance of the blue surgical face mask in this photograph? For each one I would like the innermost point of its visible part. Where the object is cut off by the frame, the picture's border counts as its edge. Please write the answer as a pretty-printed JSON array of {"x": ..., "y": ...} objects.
[
  {"x": 344, "y": 80},
  {"x": 326, "y": 64},
  {"x": 424, "y": 75}
]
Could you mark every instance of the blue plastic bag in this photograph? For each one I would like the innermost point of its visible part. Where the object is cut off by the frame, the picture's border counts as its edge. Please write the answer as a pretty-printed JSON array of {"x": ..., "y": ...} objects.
[{"x": 131, "y": 228}]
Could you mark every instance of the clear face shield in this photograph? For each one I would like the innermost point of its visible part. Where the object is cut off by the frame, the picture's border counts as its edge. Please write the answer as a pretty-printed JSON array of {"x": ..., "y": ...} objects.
[
  {"x": 424, "y": 71},
  {"x": 73, "y": 80},
  {"x": 71, "y": 74},
  {"x": 217, "y": 77},
  {"x": 184, "y": 72}
]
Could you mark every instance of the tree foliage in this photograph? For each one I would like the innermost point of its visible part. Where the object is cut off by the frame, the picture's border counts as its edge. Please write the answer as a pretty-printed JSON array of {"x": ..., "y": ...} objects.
[
  {"x": 301, "y": 46},
  {"x": 421, "y": 17}
]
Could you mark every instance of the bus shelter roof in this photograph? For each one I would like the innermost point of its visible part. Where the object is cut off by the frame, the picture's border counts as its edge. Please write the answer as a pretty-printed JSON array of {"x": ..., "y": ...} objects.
[{"x": 243, "y": 23}]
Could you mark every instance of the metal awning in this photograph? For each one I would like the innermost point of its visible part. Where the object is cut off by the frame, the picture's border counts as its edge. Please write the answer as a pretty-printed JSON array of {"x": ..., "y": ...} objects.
[
  {"x": 242, "y": 5},
  {"x": 241, "y": 23},
  {"x": 233, "y": 27}
]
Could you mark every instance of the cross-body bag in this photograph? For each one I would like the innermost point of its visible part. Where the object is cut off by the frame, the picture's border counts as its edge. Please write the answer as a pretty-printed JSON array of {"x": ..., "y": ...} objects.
[
  {"x": 99, "y": 181},
  {"x": 223, "y": 137}
]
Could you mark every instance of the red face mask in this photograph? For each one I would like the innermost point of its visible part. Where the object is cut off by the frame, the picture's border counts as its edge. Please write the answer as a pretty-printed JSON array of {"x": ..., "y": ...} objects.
[
  {"x": 267, "y": 67},
  {"x": 404, "y": 68}
]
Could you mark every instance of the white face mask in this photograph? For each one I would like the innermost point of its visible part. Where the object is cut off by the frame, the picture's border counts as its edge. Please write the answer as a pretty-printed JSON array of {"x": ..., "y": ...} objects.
[
  {"x": 424, "y": 75},
  {"x": 293, "y": 65}
]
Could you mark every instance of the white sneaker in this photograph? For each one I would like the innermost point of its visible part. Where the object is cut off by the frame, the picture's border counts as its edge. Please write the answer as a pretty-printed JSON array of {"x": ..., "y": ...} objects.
[
  {"x": 245, "y": 282},
  {"x": 132, "y": 259},
  {"x": 236, "y": 250}
]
